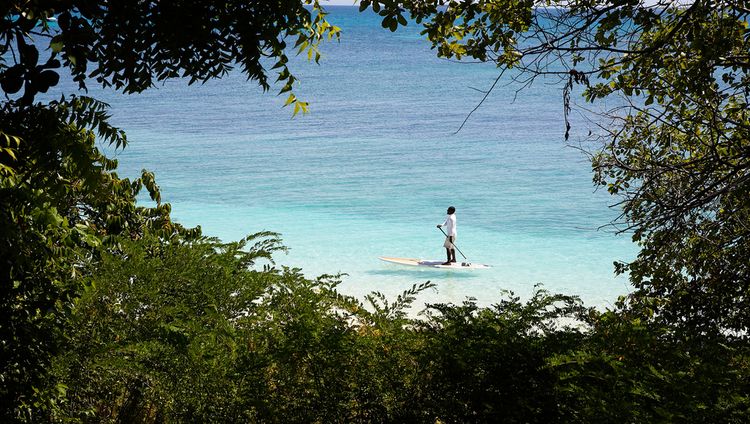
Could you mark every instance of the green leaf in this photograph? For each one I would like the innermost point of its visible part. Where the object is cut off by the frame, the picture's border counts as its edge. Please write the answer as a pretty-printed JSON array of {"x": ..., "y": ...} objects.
[{"x": 56, "y": 44}]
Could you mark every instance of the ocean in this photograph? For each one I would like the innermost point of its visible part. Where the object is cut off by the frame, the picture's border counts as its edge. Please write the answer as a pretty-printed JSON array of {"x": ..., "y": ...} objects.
[{"x": 372, "y": 168}]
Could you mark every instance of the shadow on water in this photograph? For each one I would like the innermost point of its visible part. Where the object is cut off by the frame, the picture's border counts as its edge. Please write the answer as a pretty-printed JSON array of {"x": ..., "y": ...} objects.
[{"x": 425, "y": 273}]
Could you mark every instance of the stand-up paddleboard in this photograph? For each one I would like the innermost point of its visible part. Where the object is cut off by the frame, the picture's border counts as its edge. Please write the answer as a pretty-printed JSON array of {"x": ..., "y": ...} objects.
[{"x": 432, "y": 263}]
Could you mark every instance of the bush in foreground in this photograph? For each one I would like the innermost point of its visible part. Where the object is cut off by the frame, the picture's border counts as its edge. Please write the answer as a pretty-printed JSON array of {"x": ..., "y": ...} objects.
[{"x": 183, "y": 330}]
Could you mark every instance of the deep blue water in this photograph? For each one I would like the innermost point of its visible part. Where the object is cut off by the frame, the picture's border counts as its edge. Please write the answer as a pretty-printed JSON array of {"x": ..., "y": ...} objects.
[{"x": 371, "y": 169}]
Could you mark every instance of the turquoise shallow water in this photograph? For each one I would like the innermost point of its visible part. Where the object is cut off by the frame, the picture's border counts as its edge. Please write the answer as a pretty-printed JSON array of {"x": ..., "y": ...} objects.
[{"x": 372, "y": 168}]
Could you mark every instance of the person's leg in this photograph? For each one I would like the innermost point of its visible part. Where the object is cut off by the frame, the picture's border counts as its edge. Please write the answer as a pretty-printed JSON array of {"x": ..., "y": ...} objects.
[
  {"x": 452, "y": 249},
  {"x": 448, "y": 253}
]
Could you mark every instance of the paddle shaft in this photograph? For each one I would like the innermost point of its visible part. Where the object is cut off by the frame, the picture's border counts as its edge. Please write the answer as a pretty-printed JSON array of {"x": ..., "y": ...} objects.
[{"x": 454, "y": 244}]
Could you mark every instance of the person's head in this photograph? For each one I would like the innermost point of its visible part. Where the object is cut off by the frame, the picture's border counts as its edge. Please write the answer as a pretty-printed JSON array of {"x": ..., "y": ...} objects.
[{"x": 451, "y": 210}]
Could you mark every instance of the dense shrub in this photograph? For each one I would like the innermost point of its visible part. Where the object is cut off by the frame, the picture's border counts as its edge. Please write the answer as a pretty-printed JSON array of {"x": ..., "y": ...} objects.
[{"x": 186, "y": 330}]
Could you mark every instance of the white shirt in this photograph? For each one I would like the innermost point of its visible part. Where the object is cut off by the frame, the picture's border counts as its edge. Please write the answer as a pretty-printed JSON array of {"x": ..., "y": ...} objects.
[{"x": 450, "y": 225}]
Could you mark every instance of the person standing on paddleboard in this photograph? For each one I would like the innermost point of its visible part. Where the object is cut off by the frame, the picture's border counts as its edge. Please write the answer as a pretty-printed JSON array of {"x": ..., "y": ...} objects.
[{"x": 450, "y": 231}]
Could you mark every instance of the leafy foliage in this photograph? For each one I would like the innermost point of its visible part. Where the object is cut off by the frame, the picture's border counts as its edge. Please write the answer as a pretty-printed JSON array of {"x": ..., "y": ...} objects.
[
  {"x": 182, "y": 330},
  {"x": 132, "y": 45},
  {"x": 176, "y": 330},
  {"x": 489, "y": 364},
  {"x": 633, "y": 369},
  {"x": 171, "y": 330},
  {"x": 60, "y": 204}
]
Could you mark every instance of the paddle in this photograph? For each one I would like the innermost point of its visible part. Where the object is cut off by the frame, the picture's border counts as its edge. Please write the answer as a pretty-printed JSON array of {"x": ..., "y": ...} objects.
[{"x": 454, "y": 244}]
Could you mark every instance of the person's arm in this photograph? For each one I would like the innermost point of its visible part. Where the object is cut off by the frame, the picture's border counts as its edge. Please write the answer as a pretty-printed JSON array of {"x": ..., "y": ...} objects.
[{"x": 444, "y": 223}]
